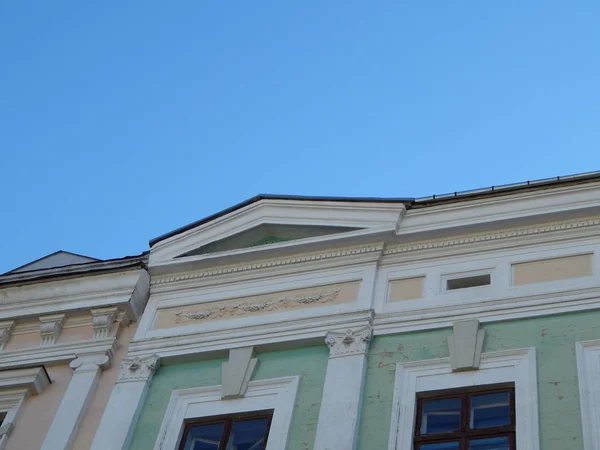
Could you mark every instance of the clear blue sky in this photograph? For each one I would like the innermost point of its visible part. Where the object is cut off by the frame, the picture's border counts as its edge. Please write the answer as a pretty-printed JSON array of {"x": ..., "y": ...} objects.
[{"x": 120, "y": 121}]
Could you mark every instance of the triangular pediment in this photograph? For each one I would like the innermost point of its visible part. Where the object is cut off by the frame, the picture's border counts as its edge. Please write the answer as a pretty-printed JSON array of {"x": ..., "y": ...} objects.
[
  {"x": 267, "y": 234},
  {"x": 265, "y": 223}
]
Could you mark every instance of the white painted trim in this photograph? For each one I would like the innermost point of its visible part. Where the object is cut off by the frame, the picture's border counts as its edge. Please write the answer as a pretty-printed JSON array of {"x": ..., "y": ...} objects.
[
  {"x": 275, "y": 211},
  {"x": 511, "y": 366},
  {"x": 178, "y": 297},
  {"x": 57, "y": 353},
  {"x": 588, "y": 373},
  {"x": 278, "y": 394},
  {"x": 127, "y": 290},
  {"x": 15, "y": 386},
  {"x": 563, "y": 200}
]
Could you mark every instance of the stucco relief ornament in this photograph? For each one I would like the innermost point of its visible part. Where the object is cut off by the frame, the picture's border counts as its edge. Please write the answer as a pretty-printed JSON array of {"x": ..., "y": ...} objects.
[
  {"x": 137, "y": 369},
  {"x": 350, "y": 342},
  {"x": 239, "y": 309}
]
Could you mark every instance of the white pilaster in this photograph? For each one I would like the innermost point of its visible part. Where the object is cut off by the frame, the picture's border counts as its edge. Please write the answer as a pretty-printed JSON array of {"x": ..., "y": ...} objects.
[
  {"x": 125, "y": 404},
  {"x": 342, "y": 393},
  {"x": 75, "y": 401}
]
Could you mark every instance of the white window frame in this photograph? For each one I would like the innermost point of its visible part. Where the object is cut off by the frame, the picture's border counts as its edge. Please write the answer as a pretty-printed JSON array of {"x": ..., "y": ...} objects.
[
  {"x": 510, "y": 366},
  {"x": 278, "y": 394},
  {"x": 588, "y": 373},
  {"x": 15, "y": 386}
]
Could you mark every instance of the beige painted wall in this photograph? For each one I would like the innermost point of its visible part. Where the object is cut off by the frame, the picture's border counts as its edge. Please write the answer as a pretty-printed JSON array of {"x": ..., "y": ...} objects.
[
  {"x": 38, "y": 412},
  {"x": 91, "y": 420},
  {"x": 312, "y": 297},
  {"x": 552, "y": 269},
  {"x": 406, "y": 289},
  {"x": 33, "y": 339}
]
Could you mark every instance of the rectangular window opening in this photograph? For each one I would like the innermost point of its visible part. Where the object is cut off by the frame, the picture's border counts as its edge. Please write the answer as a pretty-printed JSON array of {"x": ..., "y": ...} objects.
[
  {"x": 237, "y": 431},
  {"x": 466, "y": 419},
  {"x": 468, "y": 282}
]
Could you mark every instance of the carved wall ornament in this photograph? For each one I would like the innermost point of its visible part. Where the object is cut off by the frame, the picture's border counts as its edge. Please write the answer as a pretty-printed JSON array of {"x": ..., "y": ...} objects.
[
  {"x": 269, "y": 263},
  {"x": 102, "y": 321},
  {"x": 90, "y": 363},
  {"x": 6, "y": 329},
  {"x": 350, "y": 342},
  {"x": 50, "y": 328},
  {"x": 239, "y": 309},
  {"x": 465, "y": 345},
  {"x": 138, "y": 368}
]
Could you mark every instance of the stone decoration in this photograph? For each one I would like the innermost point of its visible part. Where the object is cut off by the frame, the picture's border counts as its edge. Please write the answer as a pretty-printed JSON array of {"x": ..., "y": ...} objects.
[
  {"x": 90, "y": 363},
  {"x": 102, "y": 321},
  {"x": 239, "y": 309},
  {"x": 237, "y": 372},
  {"x": 348, "y": 343},
  {"x": 137, "y": 369},
  {"x": 465, "y": 345},
  {"x": 50, "y": 328},
  {"x": 6, "y": 329}
]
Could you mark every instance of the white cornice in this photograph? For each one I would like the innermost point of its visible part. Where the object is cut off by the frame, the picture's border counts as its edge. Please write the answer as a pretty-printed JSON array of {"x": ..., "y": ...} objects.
[
  {"x": 362, "y": 215},
  {"x": 86, "y": 292},
  {"x": 516, "y": 206},
  {"x": 273, "y": 334},
  {"x": 347, "y": 256},
  {"x": 32, "y": 379},
  {"x": 494, "y": 235},
  {"x": 56, "y": 353},
  {"x": 558, "y": 302}
]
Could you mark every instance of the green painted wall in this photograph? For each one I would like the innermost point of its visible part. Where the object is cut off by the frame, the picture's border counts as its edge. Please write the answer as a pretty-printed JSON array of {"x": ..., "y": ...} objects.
[
  {"x": 554, "y": 338},
  {"x": 310, "y": 363}
]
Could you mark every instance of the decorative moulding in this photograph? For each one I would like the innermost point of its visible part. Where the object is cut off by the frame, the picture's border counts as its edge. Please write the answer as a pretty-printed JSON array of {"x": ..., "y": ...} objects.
[
  {"x": 50, "y": 328},
  {"x": 138, "y": 368},
  {"x": 348, "y": 343},
  {"x": 103, "y": 320},
  {"x": 199, "y": 341},
  {"x": 15, "y": 386},
  {"x": 32, "y": 380},
  {"x": 237, "y": 372},
  {"x": 588, "y": 368},
  {"x": 280, "y": 303},
  {"x": 492, "y": 236},
  {"x": 511, "y": 366},
  {"x": 6, "y": 329},
  {"x": 58, "y": 353},
  {"x": 465, "y": 345},
  {"x": 91, "y": 363},
  {"x": 270, "y": 263},
  {"x": 278, "y": 394}
]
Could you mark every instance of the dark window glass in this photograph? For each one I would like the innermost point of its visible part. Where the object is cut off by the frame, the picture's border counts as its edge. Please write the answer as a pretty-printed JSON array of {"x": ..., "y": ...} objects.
[
  {"x": 494, "y": 443},
  {"x": 244, "y": 432},
  {"x": 483, "y": 420},
  {"x": 490, "y": 410},
  {"x": 204, "y": 437},
  {"x": 440, "y": 416},
  {"x": 440, "y": 446}
]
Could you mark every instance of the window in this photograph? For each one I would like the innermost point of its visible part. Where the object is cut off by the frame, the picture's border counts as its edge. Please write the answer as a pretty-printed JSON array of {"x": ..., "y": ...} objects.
[
  {"x": 239, "y": 432},
  {"x": 468, "y": 282},
  {"x": 481, "y": 420}
]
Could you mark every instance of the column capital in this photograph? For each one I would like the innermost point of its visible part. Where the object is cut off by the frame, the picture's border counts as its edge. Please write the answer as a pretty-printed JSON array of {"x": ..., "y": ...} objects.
[
  {"x": 90, "y": 363},
  {"x": 138, "y": 368},
  {"x": 349, "y": 342}
]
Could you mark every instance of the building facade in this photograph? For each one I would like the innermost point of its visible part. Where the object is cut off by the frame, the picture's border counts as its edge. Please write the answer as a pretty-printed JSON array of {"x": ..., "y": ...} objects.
[
  {"x": 467, "y": 321},
  {"x": 65, "y": 324}
]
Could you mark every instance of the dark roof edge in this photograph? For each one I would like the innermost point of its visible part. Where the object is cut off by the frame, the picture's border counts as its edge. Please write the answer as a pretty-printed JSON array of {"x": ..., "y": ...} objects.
[
  {"x": 506, "y": 188},
  {"x": 47, "y": 256},
  {"x": 92, "y": 267},
  {"x": 259, "y": 197}
]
